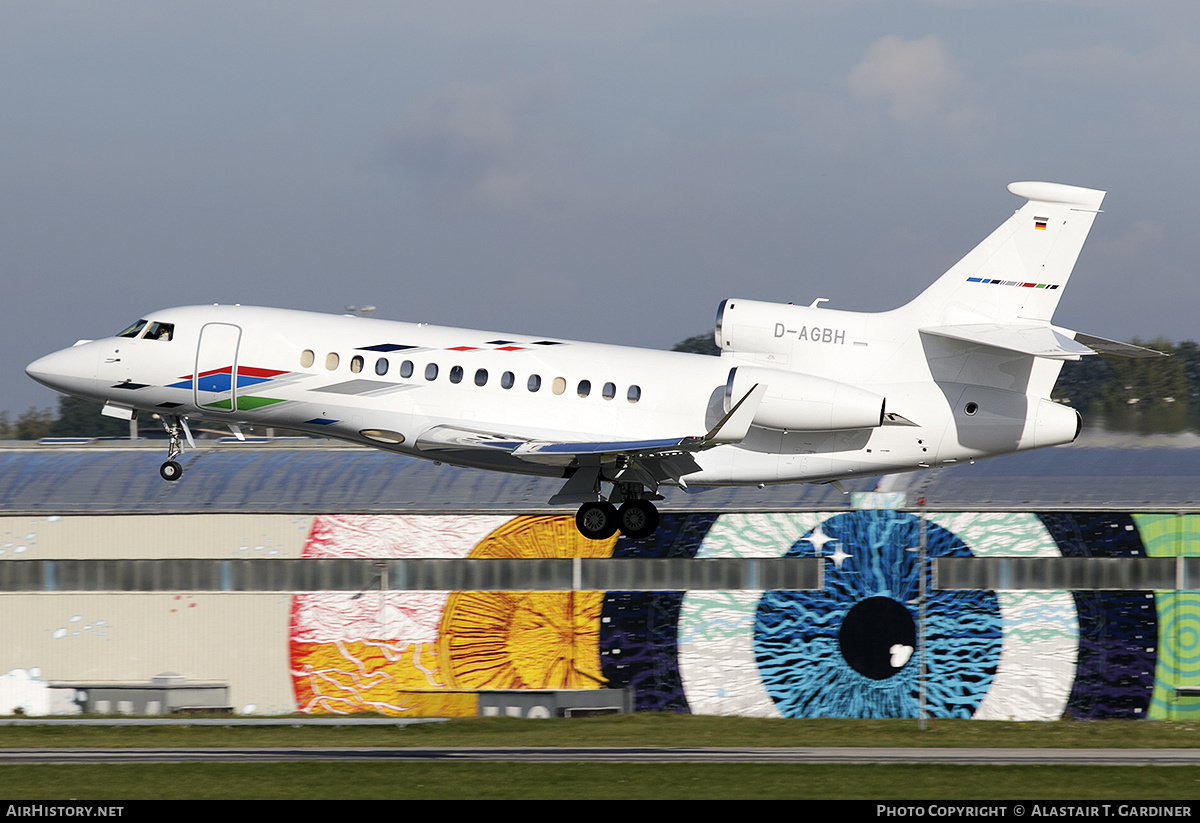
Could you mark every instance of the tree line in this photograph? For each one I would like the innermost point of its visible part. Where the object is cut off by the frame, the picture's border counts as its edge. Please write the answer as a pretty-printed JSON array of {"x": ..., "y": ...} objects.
[{"x": 75, "y": 418}]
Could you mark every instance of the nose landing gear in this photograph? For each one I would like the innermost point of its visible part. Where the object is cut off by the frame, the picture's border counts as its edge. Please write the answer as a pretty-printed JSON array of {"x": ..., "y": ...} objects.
[{"x": 176, "y": 428}]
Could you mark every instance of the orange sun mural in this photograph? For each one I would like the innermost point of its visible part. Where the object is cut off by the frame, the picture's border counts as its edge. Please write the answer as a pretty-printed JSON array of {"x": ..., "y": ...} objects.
[
  {"x": 526, "y": 640},
  {"x": 408, "y": 653}
]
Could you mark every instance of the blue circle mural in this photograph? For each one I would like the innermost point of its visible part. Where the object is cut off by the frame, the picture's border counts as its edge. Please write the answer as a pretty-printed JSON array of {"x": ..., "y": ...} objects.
[{"x": 850, "y": 649}]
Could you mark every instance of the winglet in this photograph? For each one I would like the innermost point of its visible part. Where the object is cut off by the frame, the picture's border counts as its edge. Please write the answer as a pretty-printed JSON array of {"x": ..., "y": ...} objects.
[{"x": 733, "y": 427}]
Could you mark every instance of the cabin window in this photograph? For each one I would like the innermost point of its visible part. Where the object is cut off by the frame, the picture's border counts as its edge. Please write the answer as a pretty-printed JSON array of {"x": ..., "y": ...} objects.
[
  {"x": 634, "y": 394},
  {"x": 381, "y": 366},
  {"x": 456, "y": 374},
  {"x": 481, "y": 377},
  {"x": 610, "y": 391},
  {"x": 584, "y": 388},
  {"x": 134, "y": 330},
  {"x": 307, "y": 358},
  {"x": 535, "y": 382},
  {"x": 160, "y": 331},
  {"x": 332, "y": 360},
  {"x": 507, "y": 380},
  {"x": 559, "y": 385},
  {"x": 431, "y": 371},
  {"x": 356, "y": 363},
  {"x": 406, "y": 369}
]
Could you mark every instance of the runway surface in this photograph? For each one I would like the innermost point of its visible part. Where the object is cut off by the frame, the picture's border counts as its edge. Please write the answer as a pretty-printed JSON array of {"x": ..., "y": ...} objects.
[{"x": 1092, "y": 757}]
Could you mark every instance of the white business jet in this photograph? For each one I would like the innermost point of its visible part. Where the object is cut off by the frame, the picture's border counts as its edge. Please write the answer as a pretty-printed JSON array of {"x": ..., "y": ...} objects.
[{"x": 800, "y": 394}]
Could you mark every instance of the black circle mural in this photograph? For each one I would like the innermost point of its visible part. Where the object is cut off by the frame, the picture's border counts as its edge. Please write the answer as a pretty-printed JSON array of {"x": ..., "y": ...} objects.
[
  {"x": 878, "y": 637},
  {"x": 849, "y": 650}
]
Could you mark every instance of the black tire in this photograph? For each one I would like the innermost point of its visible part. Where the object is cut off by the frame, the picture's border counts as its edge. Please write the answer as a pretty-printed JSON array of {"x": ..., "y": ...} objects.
[
  {"x": 596, "y": 521},
  {"x": 170, "y": 470},
  {"x": 637, "y": 519}
]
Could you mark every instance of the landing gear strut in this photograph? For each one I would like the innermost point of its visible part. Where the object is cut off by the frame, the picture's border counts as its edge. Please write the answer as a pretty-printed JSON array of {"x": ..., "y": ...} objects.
[{"x": 176, "y": 429}]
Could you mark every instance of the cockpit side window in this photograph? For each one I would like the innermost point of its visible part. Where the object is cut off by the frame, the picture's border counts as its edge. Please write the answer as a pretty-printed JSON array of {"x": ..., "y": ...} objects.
[
  {"x": 134, "y": 330},
  {"x": 160, "y": 331}
]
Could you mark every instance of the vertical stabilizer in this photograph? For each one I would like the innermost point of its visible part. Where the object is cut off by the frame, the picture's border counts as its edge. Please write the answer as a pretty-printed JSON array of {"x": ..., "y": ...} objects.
[{"x": 1019, "y": 272}]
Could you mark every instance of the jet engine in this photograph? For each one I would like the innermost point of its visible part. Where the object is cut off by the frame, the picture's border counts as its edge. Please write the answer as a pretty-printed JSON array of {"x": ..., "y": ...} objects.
[
  {"x": 754, "y": 326},
  {"x": 802, "y": 402}
]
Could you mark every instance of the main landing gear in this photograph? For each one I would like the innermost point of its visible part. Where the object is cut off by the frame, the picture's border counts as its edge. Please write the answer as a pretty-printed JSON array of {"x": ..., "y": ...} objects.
[
  {"x": 636, "y": 518},
  {"x": 177, "y": 429}
]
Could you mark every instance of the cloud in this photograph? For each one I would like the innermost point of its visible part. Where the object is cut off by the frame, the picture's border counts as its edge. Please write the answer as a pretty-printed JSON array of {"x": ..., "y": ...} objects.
[
  {"x": 479, "y": 146},
  {"x": 918, "y": 82}
]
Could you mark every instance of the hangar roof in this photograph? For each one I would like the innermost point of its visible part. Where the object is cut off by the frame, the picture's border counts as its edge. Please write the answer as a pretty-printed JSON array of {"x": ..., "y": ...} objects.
[{"x": 285, "y": 476}]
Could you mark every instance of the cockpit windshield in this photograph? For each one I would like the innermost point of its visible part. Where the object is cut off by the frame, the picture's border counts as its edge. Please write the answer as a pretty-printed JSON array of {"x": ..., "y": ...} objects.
[
  {"x": 160, "y": 331},
  {"x": 134, "y": 330},
  {"x": 154, "y": 331}
]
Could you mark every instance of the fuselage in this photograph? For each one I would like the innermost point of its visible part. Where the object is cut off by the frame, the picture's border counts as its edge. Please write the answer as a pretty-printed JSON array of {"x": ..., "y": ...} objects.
[{"x": 384, "y": 384}]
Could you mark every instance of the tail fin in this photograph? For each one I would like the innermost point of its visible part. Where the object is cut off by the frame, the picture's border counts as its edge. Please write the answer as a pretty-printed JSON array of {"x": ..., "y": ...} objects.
[{"x": 1019, "y": 272}]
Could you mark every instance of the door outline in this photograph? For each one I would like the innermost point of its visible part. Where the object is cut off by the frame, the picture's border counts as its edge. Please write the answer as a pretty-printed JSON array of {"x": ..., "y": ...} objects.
[{"x": 214, "y": 381}]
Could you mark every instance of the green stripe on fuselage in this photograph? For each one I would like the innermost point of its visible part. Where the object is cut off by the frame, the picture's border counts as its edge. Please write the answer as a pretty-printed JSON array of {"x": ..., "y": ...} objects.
[{"x": 245, "y": 403}]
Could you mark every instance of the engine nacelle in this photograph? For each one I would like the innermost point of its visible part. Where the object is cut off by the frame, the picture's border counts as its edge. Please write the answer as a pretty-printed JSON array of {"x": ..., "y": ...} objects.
[
  {"x": 751, "y": 326},
  {"x": 802, "y": 402}
]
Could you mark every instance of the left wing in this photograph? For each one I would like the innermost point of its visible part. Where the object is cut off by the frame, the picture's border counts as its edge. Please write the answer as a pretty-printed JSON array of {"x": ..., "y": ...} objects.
[{"x": 650, "y": 462}]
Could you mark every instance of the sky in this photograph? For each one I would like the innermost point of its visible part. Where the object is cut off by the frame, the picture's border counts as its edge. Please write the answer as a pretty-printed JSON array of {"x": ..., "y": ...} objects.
[{"x": 602, "y": 171}]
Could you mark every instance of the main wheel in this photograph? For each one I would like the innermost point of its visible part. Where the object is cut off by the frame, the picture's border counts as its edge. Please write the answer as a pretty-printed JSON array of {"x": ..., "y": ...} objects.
[
  {"x": 170, "y": 470},
  {"x": 596, "y": 521},
  {"x": 637, "y": 518}
]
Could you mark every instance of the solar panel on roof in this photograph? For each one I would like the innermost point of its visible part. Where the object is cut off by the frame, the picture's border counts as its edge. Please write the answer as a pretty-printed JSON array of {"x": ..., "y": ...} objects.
[{"x": 274, "y": 478}]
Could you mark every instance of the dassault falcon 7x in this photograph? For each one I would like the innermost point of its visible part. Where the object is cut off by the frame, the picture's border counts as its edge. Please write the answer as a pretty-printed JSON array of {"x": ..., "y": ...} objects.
[{"x": 800, "y": 394}]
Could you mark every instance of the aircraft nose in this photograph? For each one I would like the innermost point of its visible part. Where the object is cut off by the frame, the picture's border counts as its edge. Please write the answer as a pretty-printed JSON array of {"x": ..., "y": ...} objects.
[{"x": 70, "y": 370}]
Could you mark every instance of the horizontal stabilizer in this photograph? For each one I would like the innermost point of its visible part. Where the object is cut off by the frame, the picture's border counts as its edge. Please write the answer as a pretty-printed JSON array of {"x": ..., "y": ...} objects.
[
  {"x": 1038, "y": 340},
  {"x": 1102, "y": 345}
]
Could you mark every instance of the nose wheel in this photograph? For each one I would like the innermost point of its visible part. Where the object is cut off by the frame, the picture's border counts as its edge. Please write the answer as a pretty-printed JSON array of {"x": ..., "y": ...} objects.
[{"x": 170, "y": 470}]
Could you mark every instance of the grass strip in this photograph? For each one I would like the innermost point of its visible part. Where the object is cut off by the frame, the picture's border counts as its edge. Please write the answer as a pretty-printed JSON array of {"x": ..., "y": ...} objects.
[
  {"x": 671, "y": 730},
  {"x": 585, "y": 781}
]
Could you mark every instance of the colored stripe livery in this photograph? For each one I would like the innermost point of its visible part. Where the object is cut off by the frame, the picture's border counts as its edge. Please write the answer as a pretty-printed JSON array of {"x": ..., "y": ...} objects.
[{"x": 1012, "y": 283}]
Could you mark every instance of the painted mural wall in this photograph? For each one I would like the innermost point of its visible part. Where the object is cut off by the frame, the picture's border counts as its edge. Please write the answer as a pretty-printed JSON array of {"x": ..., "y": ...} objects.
[
  {"x": 845, "y": 651},
  {"x": 848, "y": 650}
]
